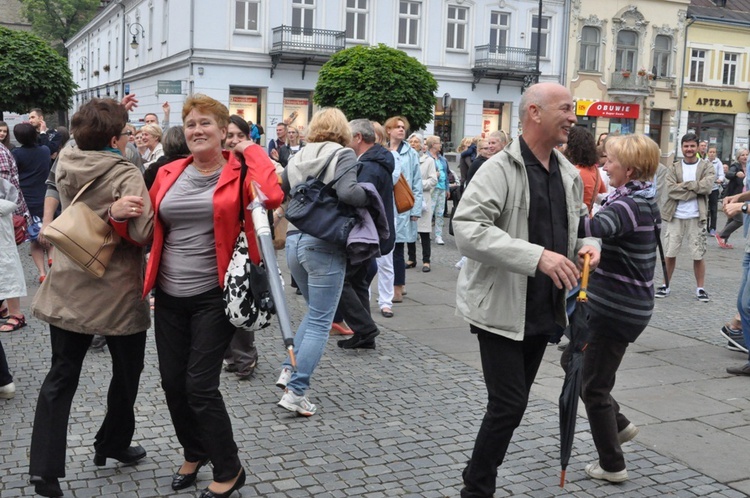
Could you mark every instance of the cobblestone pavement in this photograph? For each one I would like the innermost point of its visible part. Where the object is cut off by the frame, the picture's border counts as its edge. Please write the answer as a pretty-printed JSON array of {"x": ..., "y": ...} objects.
[{"x": 397, "y": 421}]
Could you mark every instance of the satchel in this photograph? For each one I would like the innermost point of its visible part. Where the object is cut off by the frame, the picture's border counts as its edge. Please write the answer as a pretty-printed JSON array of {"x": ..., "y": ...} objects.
[
  {"x": 247, "y": 296},
  {"x": 315, "y": 209},
  {"x": 83, "y": 236},
  {"x": 403, "y": 195},
  {"x": 19, "y": 229}
]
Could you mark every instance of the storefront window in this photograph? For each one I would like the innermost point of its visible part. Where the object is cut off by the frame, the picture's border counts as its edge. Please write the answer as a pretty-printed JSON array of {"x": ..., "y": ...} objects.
[
  {"x": 246, "y": 102},
  {"x": 621, "y": 126},
  {"x": 449, "y": 123},
  {"x": 718, "y": 129},
  {"x": 298, "y": 109}
]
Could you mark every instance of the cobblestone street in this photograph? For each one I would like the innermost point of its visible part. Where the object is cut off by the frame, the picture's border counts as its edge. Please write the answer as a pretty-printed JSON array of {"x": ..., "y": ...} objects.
[{"x": 401, "y": 420}]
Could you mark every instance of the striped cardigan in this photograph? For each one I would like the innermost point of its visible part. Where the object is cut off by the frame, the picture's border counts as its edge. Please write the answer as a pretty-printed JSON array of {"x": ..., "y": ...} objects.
[{"x": 621, "y": 289}]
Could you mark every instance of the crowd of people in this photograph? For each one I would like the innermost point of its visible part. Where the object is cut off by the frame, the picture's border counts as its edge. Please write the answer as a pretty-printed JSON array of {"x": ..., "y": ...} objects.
[{"x": 525, "y": 213}]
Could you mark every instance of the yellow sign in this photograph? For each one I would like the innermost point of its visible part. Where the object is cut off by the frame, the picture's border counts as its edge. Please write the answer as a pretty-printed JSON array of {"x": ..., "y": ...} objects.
[
  {"x": 716, "y": 101},
  {"x": 582, "y": 106}
]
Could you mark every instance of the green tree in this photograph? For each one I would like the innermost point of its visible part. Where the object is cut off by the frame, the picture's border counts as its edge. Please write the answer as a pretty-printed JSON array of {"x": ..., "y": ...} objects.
[
  {"x": 58, "y": 20},
  {"x": 376, "y": 83},
  {"x": 32, "y": 74}
]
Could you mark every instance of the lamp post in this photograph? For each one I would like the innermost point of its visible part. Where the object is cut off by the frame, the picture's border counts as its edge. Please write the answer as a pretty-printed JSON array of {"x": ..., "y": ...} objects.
[
  {"x": 83, "y": 61},
  {"x": 135, "y": 28}
]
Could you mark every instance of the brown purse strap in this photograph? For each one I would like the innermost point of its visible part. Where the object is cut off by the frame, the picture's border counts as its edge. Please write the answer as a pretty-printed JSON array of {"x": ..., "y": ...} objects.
[{"x": 82, "y": 190}]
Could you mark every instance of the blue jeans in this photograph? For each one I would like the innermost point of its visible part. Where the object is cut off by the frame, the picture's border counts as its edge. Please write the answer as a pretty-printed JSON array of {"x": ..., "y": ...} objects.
[
  {"x": 743, "y": 299},
  {"x": 318, "y": 267}
]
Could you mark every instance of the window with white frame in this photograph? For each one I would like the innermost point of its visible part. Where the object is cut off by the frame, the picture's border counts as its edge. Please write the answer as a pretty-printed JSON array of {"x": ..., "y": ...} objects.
[
  {"x": 627, "y": 50},
  {"x": 540, "y": 37},
  {"x": 662, "y": 56},
  {"x": 409, "y": 13},
  {"x": 458, "y": 18},
  {"x": 499, "y": 31},
  {"x": 303, "y": 12},
  {"x": 697, "y": 65},
  {"x": 729, "y": 72},
  {"x": 590, "y": 43},
  {"x": 356, "y": 20},
  {"x": 246, "y": 15}
]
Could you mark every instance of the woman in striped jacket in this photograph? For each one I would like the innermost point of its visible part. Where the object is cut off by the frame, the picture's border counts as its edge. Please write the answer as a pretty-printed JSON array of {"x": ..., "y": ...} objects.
[{"x": 621, "y": 291}]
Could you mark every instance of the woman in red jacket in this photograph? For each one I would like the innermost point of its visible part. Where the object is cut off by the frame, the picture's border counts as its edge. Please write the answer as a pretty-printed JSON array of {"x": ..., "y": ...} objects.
[{"x": 196, "y": 204}]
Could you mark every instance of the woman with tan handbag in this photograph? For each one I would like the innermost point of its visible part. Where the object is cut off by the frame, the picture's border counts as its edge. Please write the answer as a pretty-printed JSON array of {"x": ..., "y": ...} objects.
[{"x": 77, "y": 305}]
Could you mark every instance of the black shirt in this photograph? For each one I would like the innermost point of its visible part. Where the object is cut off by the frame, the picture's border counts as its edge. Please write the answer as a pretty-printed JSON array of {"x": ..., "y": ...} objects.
[{"x": 548, "y": 227}]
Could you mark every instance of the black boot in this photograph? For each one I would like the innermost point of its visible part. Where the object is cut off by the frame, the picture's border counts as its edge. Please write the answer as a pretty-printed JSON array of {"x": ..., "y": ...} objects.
[
  {"x": 360, "y": 341},
  {"x": 46, "y": 486}
]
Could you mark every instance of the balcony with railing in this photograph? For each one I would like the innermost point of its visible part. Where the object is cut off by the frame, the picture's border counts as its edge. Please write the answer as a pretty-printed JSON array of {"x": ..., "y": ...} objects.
[
  {"x": 504, "y": 63},
  {"x": 304, "y": 45},
  {"x": 629, "y": 82}
]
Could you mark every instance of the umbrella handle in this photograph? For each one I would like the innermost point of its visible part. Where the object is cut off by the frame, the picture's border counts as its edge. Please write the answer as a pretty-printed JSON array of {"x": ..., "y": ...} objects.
[
  {"x": 584, "y": 279},
  {"x": 292, "y": 357}
]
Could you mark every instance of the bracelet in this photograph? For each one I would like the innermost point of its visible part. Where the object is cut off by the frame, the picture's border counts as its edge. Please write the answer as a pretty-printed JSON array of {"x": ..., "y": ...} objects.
[{"x": 109, "y": 212}]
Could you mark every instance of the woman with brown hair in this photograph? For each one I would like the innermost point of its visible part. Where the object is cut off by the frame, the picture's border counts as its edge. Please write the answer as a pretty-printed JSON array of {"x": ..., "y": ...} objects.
[
  {"x": 582, "y": 152},
  {"x": 78, "y": 306},
  {"x": 197, "y": 204}
]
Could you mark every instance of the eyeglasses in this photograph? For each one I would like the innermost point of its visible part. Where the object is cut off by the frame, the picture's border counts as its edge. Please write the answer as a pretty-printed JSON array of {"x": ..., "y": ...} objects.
[{"x": 128, "y": 133}]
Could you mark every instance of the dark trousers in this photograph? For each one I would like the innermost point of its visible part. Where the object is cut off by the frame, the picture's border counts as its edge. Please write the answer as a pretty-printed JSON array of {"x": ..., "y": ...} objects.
[
  {"x": 426, "y": 248},
  {"x": 192, "y": 334},
  {"x": 5, "y": 376},
  {"x": 354, "y": 303},
  {"x": 399, "y": 265},
  {"x": 509, "y": 370},
  {"x": 48, "y": 438},
  {"x": 242, "y": 352},
  {"x": 713, "y": 205},
  {"x": 601, "y": 359},
  {"x": 732, "y": 224}
]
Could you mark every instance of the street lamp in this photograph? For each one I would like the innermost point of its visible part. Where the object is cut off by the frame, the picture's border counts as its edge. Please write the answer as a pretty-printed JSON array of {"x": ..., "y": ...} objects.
[
  {"x": 83, "y": 61},
  {"x": 134, "y": 29}
]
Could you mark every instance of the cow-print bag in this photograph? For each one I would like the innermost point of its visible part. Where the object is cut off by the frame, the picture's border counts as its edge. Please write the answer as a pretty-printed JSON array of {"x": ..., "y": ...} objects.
[{"x": 247, "y": 297}]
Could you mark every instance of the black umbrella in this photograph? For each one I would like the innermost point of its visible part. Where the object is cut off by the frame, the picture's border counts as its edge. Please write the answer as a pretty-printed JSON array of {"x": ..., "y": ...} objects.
[
  {"x": 572, "y": 361},
  {"x": 268, "y": 253}
]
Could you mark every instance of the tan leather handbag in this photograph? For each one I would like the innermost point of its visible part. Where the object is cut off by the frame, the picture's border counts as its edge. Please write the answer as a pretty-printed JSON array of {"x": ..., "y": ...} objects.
[
  {"x": 83, "y": 236},
  {"x": 403, "y": 195}
]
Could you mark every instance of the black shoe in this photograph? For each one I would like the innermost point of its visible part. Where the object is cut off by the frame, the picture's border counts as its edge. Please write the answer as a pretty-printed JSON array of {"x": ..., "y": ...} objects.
[
  {"x": 46, "y": 486},
  {"x": 743, "y": 370},
  {"x": 207, "y": 493},
  {"x": 128, "y": 456},
  {"x": 360, "y": 341},
  {"x": 182, "y": 481},
  {"x": 98, "y": 342}
]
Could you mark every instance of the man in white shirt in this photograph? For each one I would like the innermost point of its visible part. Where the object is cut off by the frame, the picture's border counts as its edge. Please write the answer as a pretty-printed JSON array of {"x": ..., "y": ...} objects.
[
  {"x": 688, "y": 184},
  {"x": 713, "y": 198}
]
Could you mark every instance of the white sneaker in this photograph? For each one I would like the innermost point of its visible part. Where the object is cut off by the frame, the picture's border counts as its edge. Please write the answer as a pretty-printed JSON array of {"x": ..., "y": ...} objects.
[
  {"x": 596, "y": 472},
  {"x": 299, "y": 404},
  {"x": 439, "y": 241},
  {"x": 7, "y": 391},
  {"x": 662, "y": 292},
  {"x": 284, "y": 378},
  {"x": 628, "y": 433},
  {"x": 460, "y": 263}
]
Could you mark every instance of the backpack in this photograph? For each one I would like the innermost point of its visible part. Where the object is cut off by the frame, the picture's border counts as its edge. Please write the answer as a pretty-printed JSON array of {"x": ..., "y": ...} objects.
[{"x": 261, "y": 131}]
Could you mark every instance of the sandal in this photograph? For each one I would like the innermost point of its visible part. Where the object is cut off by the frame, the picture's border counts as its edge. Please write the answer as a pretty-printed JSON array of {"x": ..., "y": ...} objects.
[
  {"x": 13, "y": 323},
  {"x": 4, "y": 314}
]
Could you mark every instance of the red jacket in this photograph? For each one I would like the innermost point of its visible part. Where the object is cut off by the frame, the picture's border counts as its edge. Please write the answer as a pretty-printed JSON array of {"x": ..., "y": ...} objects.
[{"x": 226, "y": 206}]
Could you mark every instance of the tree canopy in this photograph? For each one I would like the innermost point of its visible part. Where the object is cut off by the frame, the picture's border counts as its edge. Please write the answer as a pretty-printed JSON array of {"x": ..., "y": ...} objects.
[
  {"x": 32, "y": 74},
  {"x": 58, "y": 20},
  {"x": 376, "y": 83}
]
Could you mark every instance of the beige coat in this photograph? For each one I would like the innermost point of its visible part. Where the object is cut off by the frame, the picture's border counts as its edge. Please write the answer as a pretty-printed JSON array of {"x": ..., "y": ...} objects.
[
  {"x": 429, "y": 180},
  {"x": 72, "y": 299}
]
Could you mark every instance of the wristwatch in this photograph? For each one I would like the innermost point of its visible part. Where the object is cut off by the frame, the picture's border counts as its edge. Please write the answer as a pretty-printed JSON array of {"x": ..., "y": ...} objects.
[{"x": 744, "y": 208}]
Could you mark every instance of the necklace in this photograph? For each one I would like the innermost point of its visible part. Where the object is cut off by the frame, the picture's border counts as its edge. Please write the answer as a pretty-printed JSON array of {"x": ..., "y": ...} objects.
[{"x": 209, "y": 170}]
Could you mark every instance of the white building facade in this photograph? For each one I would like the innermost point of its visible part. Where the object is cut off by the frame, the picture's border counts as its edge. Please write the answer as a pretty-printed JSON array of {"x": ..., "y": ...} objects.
[{"x": 261, "y": 57}]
